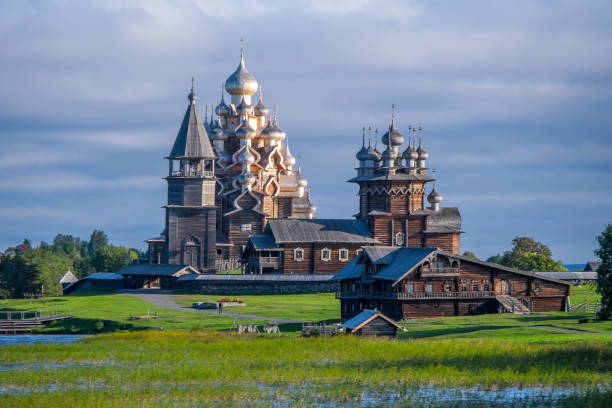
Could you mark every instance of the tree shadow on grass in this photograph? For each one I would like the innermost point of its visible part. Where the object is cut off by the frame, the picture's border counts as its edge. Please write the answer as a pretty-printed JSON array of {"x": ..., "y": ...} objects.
[
  {"x": 76, "y": 325},
  {"x": 415, "y": 334}
]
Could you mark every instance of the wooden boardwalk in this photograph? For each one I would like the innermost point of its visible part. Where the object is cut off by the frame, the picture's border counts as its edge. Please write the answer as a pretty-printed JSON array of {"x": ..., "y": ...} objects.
[{"x": 18, "y": 321}]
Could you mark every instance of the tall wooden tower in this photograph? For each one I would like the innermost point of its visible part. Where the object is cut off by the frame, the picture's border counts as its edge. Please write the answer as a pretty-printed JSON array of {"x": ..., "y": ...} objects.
[{"x": 191, "y": 212}]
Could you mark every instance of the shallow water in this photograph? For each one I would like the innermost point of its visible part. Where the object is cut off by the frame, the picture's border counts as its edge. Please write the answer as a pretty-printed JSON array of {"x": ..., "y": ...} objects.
[{"x": 39, "y": 338}]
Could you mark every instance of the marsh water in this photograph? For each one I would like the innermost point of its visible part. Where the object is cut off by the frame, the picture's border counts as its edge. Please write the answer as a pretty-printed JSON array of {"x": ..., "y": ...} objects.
[{"x": 39, "y": 338}]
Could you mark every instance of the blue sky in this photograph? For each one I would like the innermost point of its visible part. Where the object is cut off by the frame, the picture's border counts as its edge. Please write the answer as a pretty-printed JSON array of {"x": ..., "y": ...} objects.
[{"x": 515, "y": 99}]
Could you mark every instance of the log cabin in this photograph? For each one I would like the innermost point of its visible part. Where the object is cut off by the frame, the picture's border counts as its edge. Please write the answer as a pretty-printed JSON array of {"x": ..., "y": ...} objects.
[
  {"x": 306, "y": 246},
  {"x": 371, "y": 323},
  {"x": 407, "y": 283}
]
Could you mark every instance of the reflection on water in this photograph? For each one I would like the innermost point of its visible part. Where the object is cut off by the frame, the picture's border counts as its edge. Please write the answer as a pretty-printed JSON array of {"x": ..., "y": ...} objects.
[{"x": 39, "y": 338}]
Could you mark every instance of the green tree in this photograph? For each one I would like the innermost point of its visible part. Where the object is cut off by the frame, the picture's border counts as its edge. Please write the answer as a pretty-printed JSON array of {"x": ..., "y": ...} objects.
[
  {"x": 97, "y": 241},
  {"x": 469, "y": 254},
  {"x": 604, "y": 272},
  {"x": 52, "y": 267},
  {"x": 65, "y": 244},
  {"x": 530, "y": 261},
  {"x": 18, "y": 276},
  {"x": 111, "y": 258}
]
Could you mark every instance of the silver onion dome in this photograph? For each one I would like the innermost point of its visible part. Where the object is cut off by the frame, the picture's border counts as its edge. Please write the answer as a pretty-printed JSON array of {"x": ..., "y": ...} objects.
[
  {"x": 222, "y": 109},
  {"x": 362, "y": 154},
  {"x": 245, "y": 131},
  {"x": 243, "y": 108},
  {"x": 260, "y": 108},
  {"x": 246, "y": 179},
  {"x": 423, "y": 155},
  {"x": 274, "y": 131},
  {"x": 389, "y": 154},
  {"x": 217, "y": 132},
  {"x": 241, "y": 82},
  {"x": 372, "y": 154},
  {"x": 288, "y": 159},
  {"x": 434, "y": 197},
  {"x": 301, "y": 181},
  {"x": 392, "y": 136},
  {"x": 246, "y": 157}
]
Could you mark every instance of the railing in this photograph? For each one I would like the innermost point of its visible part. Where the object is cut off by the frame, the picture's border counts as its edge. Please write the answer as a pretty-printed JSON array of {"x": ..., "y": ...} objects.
[
  {"x": 224, "y": 265},
  {"x": 193, "y": 173},
  {"x": 439, "y": 272},
  {"x": 29, "y": 314},
  {"x": 414, "y": 295},
  {"x": 265, "y": 261}
]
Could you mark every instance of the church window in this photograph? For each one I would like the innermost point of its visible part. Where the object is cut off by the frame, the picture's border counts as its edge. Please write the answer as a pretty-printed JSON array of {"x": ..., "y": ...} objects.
[
  {"x": 245, "y": 227},
  {"x": 430, "y": 287},
  {"x": 298, "y": 254},
  {"x": 400, "y": 239},
  {"x": 325, "y": 254},
  {"x": 344, "y": 254}
]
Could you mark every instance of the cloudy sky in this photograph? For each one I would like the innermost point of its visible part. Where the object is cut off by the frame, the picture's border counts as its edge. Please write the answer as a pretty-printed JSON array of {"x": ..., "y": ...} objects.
[{"x": 515, "y": 99}]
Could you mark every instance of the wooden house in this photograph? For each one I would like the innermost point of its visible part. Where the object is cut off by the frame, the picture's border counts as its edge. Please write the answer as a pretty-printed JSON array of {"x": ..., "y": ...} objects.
[
  {"x": 67, "y": 279},
  {"x": 407, "y": 283},
  {"x": 371, "y": 323},
  {"x": 307, "y": 246}
]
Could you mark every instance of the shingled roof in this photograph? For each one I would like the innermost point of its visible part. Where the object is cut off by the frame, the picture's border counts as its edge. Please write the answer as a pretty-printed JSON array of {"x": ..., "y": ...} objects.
[
  {"x": 320, "y": 230},
  {"x": 192, "y": 140},
  {"x": 157, "y": 270}
]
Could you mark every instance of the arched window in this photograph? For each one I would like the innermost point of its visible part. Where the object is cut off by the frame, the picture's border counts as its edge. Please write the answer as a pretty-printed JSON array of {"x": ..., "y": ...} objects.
[
  {"x": 191, "y": 250},
  {"x": 400, "y": 239}
]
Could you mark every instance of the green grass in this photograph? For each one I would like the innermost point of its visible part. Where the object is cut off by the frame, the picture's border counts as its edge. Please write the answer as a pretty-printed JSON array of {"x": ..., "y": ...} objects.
[
  {"x": 585, "y": 292},
  {"x": 230, "y": 272},
  {"x": 308, "y": 307},
  {"x": 102, "y": 312},
  {"x": 211, "y": 368}
]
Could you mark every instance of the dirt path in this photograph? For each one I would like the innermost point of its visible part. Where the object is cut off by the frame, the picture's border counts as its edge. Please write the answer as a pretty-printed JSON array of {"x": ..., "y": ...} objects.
[
  {"x": 166, "y": 300},
  {"x": 569, "y": 331}
]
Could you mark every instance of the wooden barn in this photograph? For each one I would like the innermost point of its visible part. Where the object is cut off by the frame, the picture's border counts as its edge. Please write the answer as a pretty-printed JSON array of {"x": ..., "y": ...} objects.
[
  {"x": 371, "y": 323},
  {"x": 153, "y": 276},
  {"x": 322, "y": 246},
  {"x": 408, "y": 283}
]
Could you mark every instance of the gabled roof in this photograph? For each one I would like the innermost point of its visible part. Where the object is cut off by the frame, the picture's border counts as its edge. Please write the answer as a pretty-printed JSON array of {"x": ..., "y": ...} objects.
[
  {"x": 158, "y": 270},
  {"x": 592, "y": 266},
  {"x": 192, "y": 140},
  {"x": 104, "y": 276},
  {"x": 569, "y": 275},
  {"x": 381, "y": 255},
  {"x": 263, "y": 242},
  {"x": 352, "y": 270},
  {"x": 320, "y": 230},
  {"x": 68, "y": 278},
  {"x": 363, "y": 318},
  {"x": 445, "y": 220},
  {"x": 404, "y": 261}
]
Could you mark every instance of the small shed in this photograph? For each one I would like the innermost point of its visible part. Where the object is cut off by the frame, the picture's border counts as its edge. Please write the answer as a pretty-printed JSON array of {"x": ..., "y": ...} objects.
[
  {"x": 67, "y": 279},
  {"x": 371, "y": 323}
]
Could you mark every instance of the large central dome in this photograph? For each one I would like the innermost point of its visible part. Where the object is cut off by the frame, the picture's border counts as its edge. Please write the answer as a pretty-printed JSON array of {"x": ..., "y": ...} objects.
[{"x": 241, "y": 82}]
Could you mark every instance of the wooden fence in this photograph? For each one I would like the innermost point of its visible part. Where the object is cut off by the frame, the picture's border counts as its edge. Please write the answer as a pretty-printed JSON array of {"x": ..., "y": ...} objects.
[{"x": 585, "y": 307}]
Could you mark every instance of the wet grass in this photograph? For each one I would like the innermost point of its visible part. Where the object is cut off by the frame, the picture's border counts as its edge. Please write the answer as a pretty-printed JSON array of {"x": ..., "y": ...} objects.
[{"x": 198, "y": 368}]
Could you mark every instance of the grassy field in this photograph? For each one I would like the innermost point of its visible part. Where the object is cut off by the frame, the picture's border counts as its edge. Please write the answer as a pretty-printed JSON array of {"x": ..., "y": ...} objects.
[
  {"x": 585, "y": 292},
  {"x": 212, "y": 368},
  {"x": 103, "y": 312},
  {"x": 310, "y": 307}
]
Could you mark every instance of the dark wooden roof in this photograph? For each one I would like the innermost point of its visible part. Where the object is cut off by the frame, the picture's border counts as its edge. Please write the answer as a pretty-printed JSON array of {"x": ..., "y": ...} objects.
[
  {"x": 383, "y": 176},
  {"x": 445, "y": 220},
  {"x": 157, "y": 270},
  {"x": 320, "y": 230},
  {"x": 192, "y": 140},
  {"x": 592, "y": 266},
  {"x": 569, "y": 275},
  {"x": 264, "y": 242},
  {"x": 352, "y": 270}
]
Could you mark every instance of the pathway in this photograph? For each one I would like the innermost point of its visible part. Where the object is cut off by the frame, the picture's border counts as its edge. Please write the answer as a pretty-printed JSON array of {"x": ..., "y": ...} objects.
[{"x": 166, "y": 300}]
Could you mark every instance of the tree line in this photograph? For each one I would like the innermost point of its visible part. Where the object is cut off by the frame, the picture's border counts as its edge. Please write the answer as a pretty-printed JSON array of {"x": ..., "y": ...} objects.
[
  {"x": 26, "y": 271},
  {"x": 526, "y": 254}
]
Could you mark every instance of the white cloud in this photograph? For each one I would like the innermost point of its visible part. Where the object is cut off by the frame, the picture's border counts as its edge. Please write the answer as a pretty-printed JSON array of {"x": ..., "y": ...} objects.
[{"x": 45, "y": 182}]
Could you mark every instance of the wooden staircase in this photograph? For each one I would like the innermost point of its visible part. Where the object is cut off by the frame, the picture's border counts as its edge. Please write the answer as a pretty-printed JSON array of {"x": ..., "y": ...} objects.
[{"x": 512, "y": 304}]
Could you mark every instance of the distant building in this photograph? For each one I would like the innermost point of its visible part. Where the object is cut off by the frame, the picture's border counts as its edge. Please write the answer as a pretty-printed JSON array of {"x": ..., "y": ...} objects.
[
  {"x": 371, "y": 323},
  {"x": 574, "y": 278},
  {"x": 592, "y": 266},
  {"x": 67, "y": 279}
]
